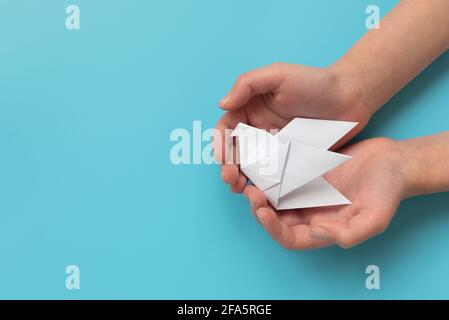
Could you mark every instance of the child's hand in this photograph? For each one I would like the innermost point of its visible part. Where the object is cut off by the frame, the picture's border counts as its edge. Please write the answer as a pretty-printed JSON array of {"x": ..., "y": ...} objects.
[
  {"x": 374, "y": 180},
  {"x": 272, "y": 96}
]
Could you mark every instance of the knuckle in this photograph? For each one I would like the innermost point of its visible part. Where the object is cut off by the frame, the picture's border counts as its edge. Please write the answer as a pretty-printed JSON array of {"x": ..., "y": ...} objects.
[
  {"x": 235, "y": 189},
  {"x": 346, "y": 241},
  {"x": 242, "y": 78}
]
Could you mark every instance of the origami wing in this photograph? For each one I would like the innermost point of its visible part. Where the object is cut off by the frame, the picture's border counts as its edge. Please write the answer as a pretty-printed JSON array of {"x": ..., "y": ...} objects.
[
  {"x": 322, "y": 134},
  {"x": 302, "y": 185}
]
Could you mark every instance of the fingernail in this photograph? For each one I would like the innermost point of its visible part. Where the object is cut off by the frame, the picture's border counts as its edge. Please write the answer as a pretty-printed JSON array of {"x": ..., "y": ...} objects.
[
  {"x": 319, "y": 233},
  {"x": 225, "y": 100},
  {"x": 259, "y": 216}
]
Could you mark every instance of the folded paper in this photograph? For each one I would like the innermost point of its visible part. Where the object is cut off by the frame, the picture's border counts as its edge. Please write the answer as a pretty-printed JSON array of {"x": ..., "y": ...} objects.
[{"x": 288, "y": 166}]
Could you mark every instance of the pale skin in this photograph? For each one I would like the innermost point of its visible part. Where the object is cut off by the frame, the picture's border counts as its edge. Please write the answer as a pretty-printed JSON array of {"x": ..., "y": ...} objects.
[{"x": 382, "y": 172}]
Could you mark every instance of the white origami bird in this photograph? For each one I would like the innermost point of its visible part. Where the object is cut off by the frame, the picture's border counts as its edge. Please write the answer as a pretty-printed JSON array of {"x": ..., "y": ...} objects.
[{"x": 288, "y": 166}]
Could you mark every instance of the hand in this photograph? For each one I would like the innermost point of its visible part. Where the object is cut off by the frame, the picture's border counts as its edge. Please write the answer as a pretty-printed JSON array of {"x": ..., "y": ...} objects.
[
  {"x": 272, "y": 96},
  {"x": 374, "y": 180}
]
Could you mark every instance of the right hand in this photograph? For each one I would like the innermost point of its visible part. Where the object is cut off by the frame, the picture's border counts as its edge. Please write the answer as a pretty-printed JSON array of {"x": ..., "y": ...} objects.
[{"x": 375, "y": 180}]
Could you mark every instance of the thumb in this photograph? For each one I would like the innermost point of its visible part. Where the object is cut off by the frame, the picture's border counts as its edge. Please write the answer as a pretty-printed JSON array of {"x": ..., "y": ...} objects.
[
  {"x": 335, "y": 231},
  {"x": 350, "y": 233},
  {"x": 259, "y": 81}
]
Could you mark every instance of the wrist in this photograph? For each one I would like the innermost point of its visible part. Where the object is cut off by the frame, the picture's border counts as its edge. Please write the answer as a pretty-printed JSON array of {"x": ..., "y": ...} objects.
[
  {"x": 351, "y": 93},
  {"x": 411, "y": 168},
  {"x": 426, "y": 164}
]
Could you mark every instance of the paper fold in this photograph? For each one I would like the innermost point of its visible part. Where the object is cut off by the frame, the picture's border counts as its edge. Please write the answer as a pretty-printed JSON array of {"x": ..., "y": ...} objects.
[{"x": 288, "y": 166}]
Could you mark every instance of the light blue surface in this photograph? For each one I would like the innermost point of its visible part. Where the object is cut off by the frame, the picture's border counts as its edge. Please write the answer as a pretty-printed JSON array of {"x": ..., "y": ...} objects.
[{"x": 85, "y": 174}]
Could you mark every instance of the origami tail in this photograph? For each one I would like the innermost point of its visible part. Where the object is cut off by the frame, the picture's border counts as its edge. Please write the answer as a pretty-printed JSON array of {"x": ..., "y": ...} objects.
[{"x": 316, "y": 193}]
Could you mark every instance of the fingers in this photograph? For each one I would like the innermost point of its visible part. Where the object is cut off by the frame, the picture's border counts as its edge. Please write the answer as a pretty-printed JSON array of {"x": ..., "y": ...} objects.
[
  {"x": 223, "y": 143},
  {"x": 229, "y": 173},
  {"x": 280, "y": 232},
  {"x": 293, "y": 238},
  {"x": 225, "y": 150},
  {"x": 350, "y": 233},
  {"x": 259, "y": 81},
  {"x": 285, "y": 228},
  {"x": 256, "y": 198},
  {"x": 239, "y": 184},
  {"x": 293, "y": 217}
]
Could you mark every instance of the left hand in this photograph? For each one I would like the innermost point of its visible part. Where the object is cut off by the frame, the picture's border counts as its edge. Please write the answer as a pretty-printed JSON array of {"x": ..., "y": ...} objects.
[
  {"x": 272, "y": 96},
  {"x": 374, "y": 180}
]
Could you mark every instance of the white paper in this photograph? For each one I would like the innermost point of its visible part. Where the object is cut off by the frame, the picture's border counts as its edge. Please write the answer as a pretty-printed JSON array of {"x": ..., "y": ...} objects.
[{"x": 288, "y": 166}]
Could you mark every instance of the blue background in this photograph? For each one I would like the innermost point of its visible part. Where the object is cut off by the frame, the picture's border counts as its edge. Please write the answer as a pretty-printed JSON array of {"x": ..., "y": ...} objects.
[{"x": 85, "y": 173}]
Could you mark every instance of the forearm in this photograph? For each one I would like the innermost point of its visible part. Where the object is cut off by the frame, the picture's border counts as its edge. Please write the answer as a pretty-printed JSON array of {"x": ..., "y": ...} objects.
[
  {"x": 410, "y": 37},
  {"x": 426, "y": 164}
]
